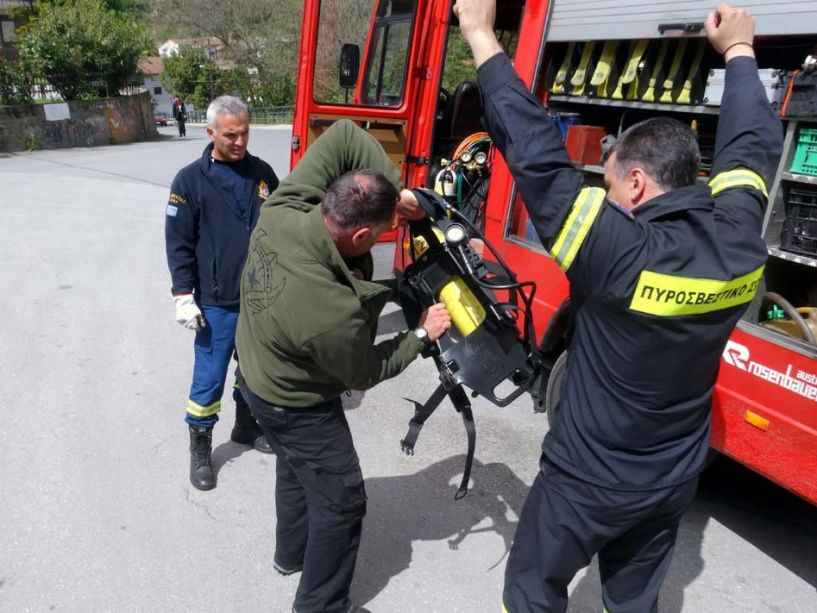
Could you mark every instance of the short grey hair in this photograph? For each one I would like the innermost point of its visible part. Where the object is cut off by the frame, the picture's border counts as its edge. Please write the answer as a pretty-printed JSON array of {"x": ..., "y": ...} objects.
[{"x": 226, "y": 105}]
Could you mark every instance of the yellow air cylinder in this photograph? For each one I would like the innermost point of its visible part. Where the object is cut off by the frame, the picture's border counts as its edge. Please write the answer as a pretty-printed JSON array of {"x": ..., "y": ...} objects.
[{"x": 466, "y": 312}]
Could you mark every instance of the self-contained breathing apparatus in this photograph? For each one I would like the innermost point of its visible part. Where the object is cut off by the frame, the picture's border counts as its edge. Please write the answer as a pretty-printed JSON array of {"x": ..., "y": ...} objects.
[{"x": 484, "y": 349}]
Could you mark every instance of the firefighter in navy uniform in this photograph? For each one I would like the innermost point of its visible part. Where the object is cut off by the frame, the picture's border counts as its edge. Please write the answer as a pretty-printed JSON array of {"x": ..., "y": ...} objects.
[
  {"x": 213, "y": 208},
  {"x": 661, "y": 267}
]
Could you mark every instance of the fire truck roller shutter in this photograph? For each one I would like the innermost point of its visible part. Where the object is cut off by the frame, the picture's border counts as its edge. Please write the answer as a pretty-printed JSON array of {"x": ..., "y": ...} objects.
[{"x": 578, "y": 20}]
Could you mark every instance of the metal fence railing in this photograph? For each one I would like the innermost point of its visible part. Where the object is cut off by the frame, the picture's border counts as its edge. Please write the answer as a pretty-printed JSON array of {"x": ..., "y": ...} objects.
[
  {"x": 47, "y": 88},
  {"x": 272, "y": 114},
  {"x": 259, "y": 115}
]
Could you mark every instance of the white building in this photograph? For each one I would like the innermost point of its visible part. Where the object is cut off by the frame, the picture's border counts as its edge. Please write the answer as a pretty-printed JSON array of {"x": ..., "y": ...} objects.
[
  {"x": 169, "y": 48},
  {"x": 212, "y": 47},
  {"x": 152, "y": 69}
]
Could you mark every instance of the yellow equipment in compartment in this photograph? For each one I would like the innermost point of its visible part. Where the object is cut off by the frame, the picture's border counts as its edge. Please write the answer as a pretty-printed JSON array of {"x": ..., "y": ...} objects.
[
  {"x": 420, "y": 245},
  {"x": 665, "y": 71}
]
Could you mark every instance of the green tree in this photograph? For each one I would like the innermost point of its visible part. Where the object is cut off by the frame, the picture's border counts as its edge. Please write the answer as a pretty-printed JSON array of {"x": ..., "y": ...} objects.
[
  {"x": 241, "y": 25},
  {"x": 84, "y": 48},
  {"x": 16, "y": 82},
  {"x": 260, "y": 40},
  {"x": 459, "y": 63},
  {"x": 135, "y": 7},
  {"x": 235, "y": 81},
  {"x": 275, "y": 85},
  {"x": 190, "y": 74}
]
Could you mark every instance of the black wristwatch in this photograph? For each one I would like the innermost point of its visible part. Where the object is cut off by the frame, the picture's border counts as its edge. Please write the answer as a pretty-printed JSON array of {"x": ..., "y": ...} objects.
[{"x": 421, "y": 333}]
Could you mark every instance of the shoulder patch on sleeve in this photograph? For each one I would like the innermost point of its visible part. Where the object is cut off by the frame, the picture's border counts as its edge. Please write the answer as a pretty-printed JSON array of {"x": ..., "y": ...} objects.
[
  {"x": 172, "y": 210},
  {"x": 176, "y": 199}
]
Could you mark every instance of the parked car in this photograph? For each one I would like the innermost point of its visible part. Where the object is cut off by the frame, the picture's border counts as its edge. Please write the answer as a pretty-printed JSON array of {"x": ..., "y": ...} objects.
[{"x": 160, "y": 119}]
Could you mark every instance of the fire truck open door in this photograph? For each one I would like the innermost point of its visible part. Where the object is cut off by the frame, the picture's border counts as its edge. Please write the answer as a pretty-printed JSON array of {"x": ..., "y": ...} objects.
[{"x": 367, "y": 60}]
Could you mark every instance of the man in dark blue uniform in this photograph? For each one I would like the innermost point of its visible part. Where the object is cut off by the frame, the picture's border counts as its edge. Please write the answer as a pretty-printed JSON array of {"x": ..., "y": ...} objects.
[
  {"x": 212, "y": 210},
  {"x": 661, "y": 267},
  {"x": 180, "y": 115}
]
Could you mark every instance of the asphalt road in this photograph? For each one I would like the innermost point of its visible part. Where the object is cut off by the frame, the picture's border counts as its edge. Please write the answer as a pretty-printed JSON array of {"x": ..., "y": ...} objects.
[{"x": 97, "y": 512}]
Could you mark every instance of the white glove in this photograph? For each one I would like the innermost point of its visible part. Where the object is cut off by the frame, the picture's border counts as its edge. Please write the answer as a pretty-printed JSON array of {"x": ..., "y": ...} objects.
[{"x": 188, "y": 313}]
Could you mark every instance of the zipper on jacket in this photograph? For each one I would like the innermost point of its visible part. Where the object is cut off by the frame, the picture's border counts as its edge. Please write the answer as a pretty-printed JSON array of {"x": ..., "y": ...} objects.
[{"x": 215, "y": 279}]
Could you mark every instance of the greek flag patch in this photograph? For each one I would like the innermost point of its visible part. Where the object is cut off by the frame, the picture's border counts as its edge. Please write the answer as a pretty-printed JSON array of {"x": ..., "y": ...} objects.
[{"x": 172, "y": 210}]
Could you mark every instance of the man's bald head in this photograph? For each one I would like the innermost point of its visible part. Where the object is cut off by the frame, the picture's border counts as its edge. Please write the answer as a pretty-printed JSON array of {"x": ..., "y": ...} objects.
[{"x": 360, "y": 198}]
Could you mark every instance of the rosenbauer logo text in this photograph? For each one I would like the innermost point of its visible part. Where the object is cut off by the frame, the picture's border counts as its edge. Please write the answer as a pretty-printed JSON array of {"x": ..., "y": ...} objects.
[{"x": 803, "y": 383}]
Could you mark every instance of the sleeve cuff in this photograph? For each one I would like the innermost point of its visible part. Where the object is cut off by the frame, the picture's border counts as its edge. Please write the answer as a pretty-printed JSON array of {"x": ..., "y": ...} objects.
[
  {"x": 415, "y": 342},
  {"x": 741, "y": 67},
  {"x": 495, "y": 72}
]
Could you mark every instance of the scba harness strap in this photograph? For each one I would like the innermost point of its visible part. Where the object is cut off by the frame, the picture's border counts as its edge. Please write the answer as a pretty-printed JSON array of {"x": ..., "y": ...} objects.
[
  {"x": 423, "y": 411},
  {"x": 483, "y": 349}
]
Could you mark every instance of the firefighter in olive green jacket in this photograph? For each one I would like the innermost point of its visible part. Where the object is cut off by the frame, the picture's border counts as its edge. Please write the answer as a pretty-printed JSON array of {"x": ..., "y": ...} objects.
[{"x": 306, "y": 333}]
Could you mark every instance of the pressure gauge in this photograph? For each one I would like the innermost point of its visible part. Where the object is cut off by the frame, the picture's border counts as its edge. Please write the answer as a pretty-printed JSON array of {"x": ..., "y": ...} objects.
[
  {"x": 466, "y": 157},
  {"x": 480, "y": 158},
  {"x": 455, "y": 234}
]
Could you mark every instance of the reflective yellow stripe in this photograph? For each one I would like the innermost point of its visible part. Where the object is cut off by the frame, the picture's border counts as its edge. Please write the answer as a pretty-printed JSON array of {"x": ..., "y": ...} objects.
[
  {"x": 739, "y": 177},
  {"x": 504, "y": 610},
  {"x": 200, "y": 411},
  {"x": 668, "y": 295},
  {"x": 584, "y": 212}
]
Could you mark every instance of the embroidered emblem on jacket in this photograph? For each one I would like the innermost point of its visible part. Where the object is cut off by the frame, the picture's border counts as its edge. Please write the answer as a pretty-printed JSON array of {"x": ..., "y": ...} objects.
[{"x": 263, "y": 190}]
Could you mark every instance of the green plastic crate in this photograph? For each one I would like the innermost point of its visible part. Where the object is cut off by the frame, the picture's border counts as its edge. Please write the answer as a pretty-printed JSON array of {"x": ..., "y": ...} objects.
[{"x": 805, "y": 156}]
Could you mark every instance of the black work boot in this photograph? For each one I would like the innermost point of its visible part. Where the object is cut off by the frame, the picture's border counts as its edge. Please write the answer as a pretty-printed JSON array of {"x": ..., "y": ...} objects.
[
  {"x": 246, "y": 430},
  {"x": 201, "y": 470}
]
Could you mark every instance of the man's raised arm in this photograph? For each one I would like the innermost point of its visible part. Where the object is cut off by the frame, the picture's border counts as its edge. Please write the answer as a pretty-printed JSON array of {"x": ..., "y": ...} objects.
[
  {"x": 342, "y": 148},
  {"x": 749, "y": 139},
  {"x": 519, "y": 126}
]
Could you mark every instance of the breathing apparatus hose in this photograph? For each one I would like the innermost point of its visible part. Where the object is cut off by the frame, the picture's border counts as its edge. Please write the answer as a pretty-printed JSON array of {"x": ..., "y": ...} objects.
[
  {"x": 424, "y": 196},
  {"x": 486, "y": 347}
]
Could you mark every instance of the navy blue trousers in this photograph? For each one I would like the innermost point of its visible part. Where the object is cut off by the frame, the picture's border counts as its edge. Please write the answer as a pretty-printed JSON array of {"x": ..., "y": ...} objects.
[{"x": 565, "y": 521}]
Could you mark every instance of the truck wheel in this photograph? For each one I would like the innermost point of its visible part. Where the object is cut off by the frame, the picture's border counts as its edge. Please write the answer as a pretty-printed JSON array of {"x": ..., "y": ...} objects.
[{"x": 556, "y": 384}]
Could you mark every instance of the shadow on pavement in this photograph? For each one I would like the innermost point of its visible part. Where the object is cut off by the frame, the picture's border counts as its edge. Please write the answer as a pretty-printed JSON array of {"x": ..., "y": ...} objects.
[
  {"x": 180, "y": 139},
  {"x": 227, "y": 452},
  {"x": 399, "y": 513},
  {"x": 352, "y": 399},
  {"x": 778, "y": 523}
]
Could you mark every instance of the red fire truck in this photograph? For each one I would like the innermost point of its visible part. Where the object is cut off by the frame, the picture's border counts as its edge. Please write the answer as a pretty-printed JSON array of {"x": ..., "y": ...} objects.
[{"x": 401, "y": 69}]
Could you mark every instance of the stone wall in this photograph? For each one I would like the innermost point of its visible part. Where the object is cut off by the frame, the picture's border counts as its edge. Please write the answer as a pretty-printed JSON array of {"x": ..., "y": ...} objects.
[{"x": 77, "y": 124}]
